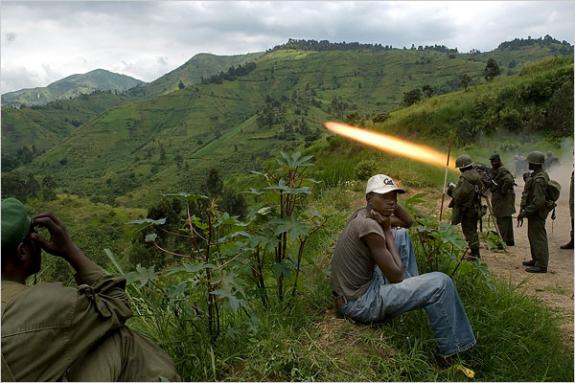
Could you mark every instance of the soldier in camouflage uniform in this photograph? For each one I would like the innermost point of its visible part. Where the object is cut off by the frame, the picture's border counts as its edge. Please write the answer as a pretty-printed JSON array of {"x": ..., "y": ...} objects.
[
  {"x": 534, "y": 208},
  {"x": 466, "y": 203},
  {"x": 51, "y": 332},
  {"x": 502, "y": 199}
]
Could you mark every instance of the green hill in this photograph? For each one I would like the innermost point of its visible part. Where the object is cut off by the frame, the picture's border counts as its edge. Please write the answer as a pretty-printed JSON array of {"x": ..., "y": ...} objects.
[
  {"x": 201, "y": 66},
  {"x": 507, "y": 115},
  {"x": 71, "y": 86},
  {"x": 29, "y": 131},
  {"x": 141, "y": 149}
]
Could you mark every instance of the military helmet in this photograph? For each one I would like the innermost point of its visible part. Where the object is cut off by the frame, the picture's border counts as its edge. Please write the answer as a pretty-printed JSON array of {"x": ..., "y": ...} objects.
[
  {"x": 495, "y": 157},
  {"x": 536, "y": 158},
  {"x": 463, "y": 161}
]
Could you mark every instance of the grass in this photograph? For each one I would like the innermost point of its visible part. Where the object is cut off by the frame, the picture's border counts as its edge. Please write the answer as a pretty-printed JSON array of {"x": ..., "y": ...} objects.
[
  {"x": 519, "y": 338},
  {"x": 302, "y": 339},
  {"x": 93, "y": 226}
]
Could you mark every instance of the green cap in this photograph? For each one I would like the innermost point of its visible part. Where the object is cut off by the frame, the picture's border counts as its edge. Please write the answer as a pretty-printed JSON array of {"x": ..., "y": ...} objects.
[
  {"x": 15, "y": 222},
  {"x": 495, "y": 157}
]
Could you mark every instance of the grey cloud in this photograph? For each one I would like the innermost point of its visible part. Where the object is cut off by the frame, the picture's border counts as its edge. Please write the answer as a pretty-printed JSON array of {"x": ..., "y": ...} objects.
[
  {"x": 364, "y": 22},
  {"x": 19, "y": 78},
  {"x": 68, "y": 11},
  {"x": 147, "y": 39}
]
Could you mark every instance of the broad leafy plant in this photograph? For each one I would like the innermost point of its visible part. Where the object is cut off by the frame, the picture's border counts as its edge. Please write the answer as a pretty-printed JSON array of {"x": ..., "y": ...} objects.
[{"x": 280, "y": 224}]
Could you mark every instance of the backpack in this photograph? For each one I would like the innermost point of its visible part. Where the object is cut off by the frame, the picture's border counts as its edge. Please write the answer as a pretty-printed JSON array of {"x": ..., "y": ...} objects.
[{"x": 552, "y": 192}]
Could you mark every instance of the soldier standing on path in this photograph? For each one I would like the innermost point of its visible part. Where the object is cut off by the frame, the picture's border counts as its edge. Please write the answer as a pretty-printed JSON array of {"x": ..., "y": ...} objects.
[
  {"x": 569, "y": 245},
  {"x": 466, "y": 203},
  {"x": 502, "y": 199},
  {"x": 534, "y": 208}
]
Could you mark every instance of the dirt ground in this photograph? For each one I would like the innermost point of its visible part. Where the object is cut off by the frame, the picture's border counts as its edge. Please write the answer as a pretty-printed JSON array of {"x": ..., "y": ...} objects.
[{"x": 555, "y": 288}]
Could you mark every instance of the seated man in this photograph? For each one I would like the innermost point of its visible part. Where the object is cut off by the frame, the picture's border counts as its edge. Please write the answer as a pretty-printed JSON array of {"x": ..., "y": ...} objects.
[
  {"x": 374, "y": 275},
  {"x": 51, "y": 332}
]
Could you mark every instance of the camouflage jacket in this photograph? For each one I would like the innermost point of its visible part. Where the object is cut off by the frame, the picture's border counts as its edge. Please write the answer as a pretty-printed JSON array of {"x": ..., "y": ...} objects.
[
  {"x": 533, "y": 196},
  {"x": 465, "y": 196},
  {"x": 502, "y": 193}
]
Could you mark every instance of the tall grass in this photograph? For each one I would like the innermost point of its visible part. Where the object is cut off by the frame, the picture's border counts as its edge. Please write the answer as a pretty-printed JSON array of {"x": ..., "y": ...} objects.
[{"x": 518, "y": 338}]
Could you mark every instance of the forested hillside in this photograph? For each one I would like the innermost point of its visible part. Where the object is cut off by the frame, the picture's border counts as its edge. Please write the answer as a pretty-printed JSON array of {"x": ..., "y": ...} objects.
[
  {"x": 199, "y": 68},
  {"x": 27, "y": 132},
  {"x": 139, "y": 149}
]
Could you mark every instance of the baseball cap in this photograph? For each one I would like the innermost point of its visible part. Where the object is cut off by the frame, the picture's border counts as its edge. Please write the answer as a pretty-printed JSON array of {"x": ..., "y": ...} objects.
[
  {"x": 15, "y": 222},
  {"x": 382, "y": 184}
]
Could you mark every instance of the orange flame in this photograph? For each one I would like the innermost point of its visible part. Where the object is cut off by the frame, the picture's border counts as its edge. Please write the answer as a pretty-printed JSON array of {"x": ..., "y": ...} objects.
[{"x": 391, "y": 144}]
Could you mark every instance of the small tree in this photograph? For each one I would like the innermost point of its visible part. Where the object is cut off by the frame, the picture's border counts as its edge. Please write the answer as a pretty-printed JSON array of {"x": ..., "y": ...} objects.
[
  {"x": 465, "y": 81},
  {"x": 491, "y": 70},
  {"x": 181, "y": 85},
  {"x": 214, "y": 184},
  {"x": 179, "y": 161},
  {"x": 32, "y": 186},
  {"x": 411, "y": 97},
  {"x": 48, "y": 186},
  {"x": 427, "y": 90}
]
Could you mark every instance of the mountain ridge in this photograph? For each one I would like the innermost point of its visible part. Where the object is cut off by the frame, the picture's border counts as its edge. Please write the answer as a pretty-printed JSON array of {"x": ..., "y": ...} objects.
[{"x": 71, "y": 86}]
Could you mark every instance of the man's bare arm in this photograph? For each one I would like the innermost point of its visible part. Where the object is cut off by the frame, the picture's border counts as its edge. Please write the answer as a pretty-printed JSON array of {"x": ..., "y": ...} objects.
[
  {"x": 388, "y": 261},
  {"x": 401, "y": 218}
]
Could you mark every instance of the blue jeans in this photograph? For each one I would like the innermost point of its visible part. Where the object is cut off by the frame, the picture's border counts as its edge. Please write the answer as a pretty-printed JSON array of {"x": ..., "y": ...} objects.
[{"x": 434, "y": 292}]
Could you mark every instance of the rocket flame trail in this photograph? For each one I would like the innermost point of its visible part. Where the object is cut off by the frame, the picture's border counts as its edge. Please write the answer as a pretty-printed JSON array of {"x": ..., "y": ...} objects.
[{"x": 391, "y": 144}]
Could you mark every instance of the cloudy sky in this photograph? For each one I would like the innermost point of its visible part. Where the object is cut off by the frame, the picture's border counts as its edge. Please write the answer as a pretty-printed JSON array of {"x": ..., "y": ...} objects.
[{"x": 42, "y": 42}]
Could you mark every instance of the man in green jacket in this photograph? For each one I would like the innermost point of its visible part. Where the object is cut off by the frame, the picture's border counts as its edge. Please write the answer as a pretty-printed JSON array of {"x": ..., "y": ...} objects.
[
  {"x": 466, "y": 203},
  {"x": 502, "y": 198},
  {"x": 535, "y": 209},
  {"x": 51, "y": 332}
]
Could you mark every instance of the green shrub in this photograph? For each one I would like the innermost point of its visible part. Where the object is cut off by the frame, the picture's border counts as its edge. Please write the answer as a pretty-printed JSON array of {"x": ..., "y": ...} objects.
[{"x": 365, "y": 169}]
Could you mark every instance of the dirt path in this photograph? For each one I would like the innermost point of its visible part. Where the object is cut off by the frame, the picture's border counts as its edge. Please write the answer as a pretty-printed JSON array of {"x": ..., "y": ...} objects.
[{"x": 555, "y": 288}]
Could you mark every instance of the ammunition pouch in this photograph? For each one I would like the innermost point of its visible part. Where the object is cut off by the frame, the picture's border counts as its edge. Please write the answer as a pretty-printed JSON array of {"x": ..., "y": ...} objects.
[{"x": 547, "y": 208}]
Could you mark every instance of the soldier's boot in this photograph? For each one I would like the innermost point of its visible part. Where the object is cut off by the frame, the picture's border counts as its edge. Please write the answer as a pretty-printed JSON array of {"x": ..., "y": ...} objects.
[
  {"x": 473, "y": 255},
  {"x": 528, "y": 263},
  {"x": 568, "y": 245},
  {"x": 536, "y": 269}
]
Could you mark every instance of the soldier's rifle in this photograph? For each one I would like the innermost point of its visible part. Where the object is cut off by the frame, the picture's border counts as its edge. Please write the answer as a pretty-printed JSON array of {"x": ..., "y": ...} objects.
[{"x": 486, "y": 175}]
